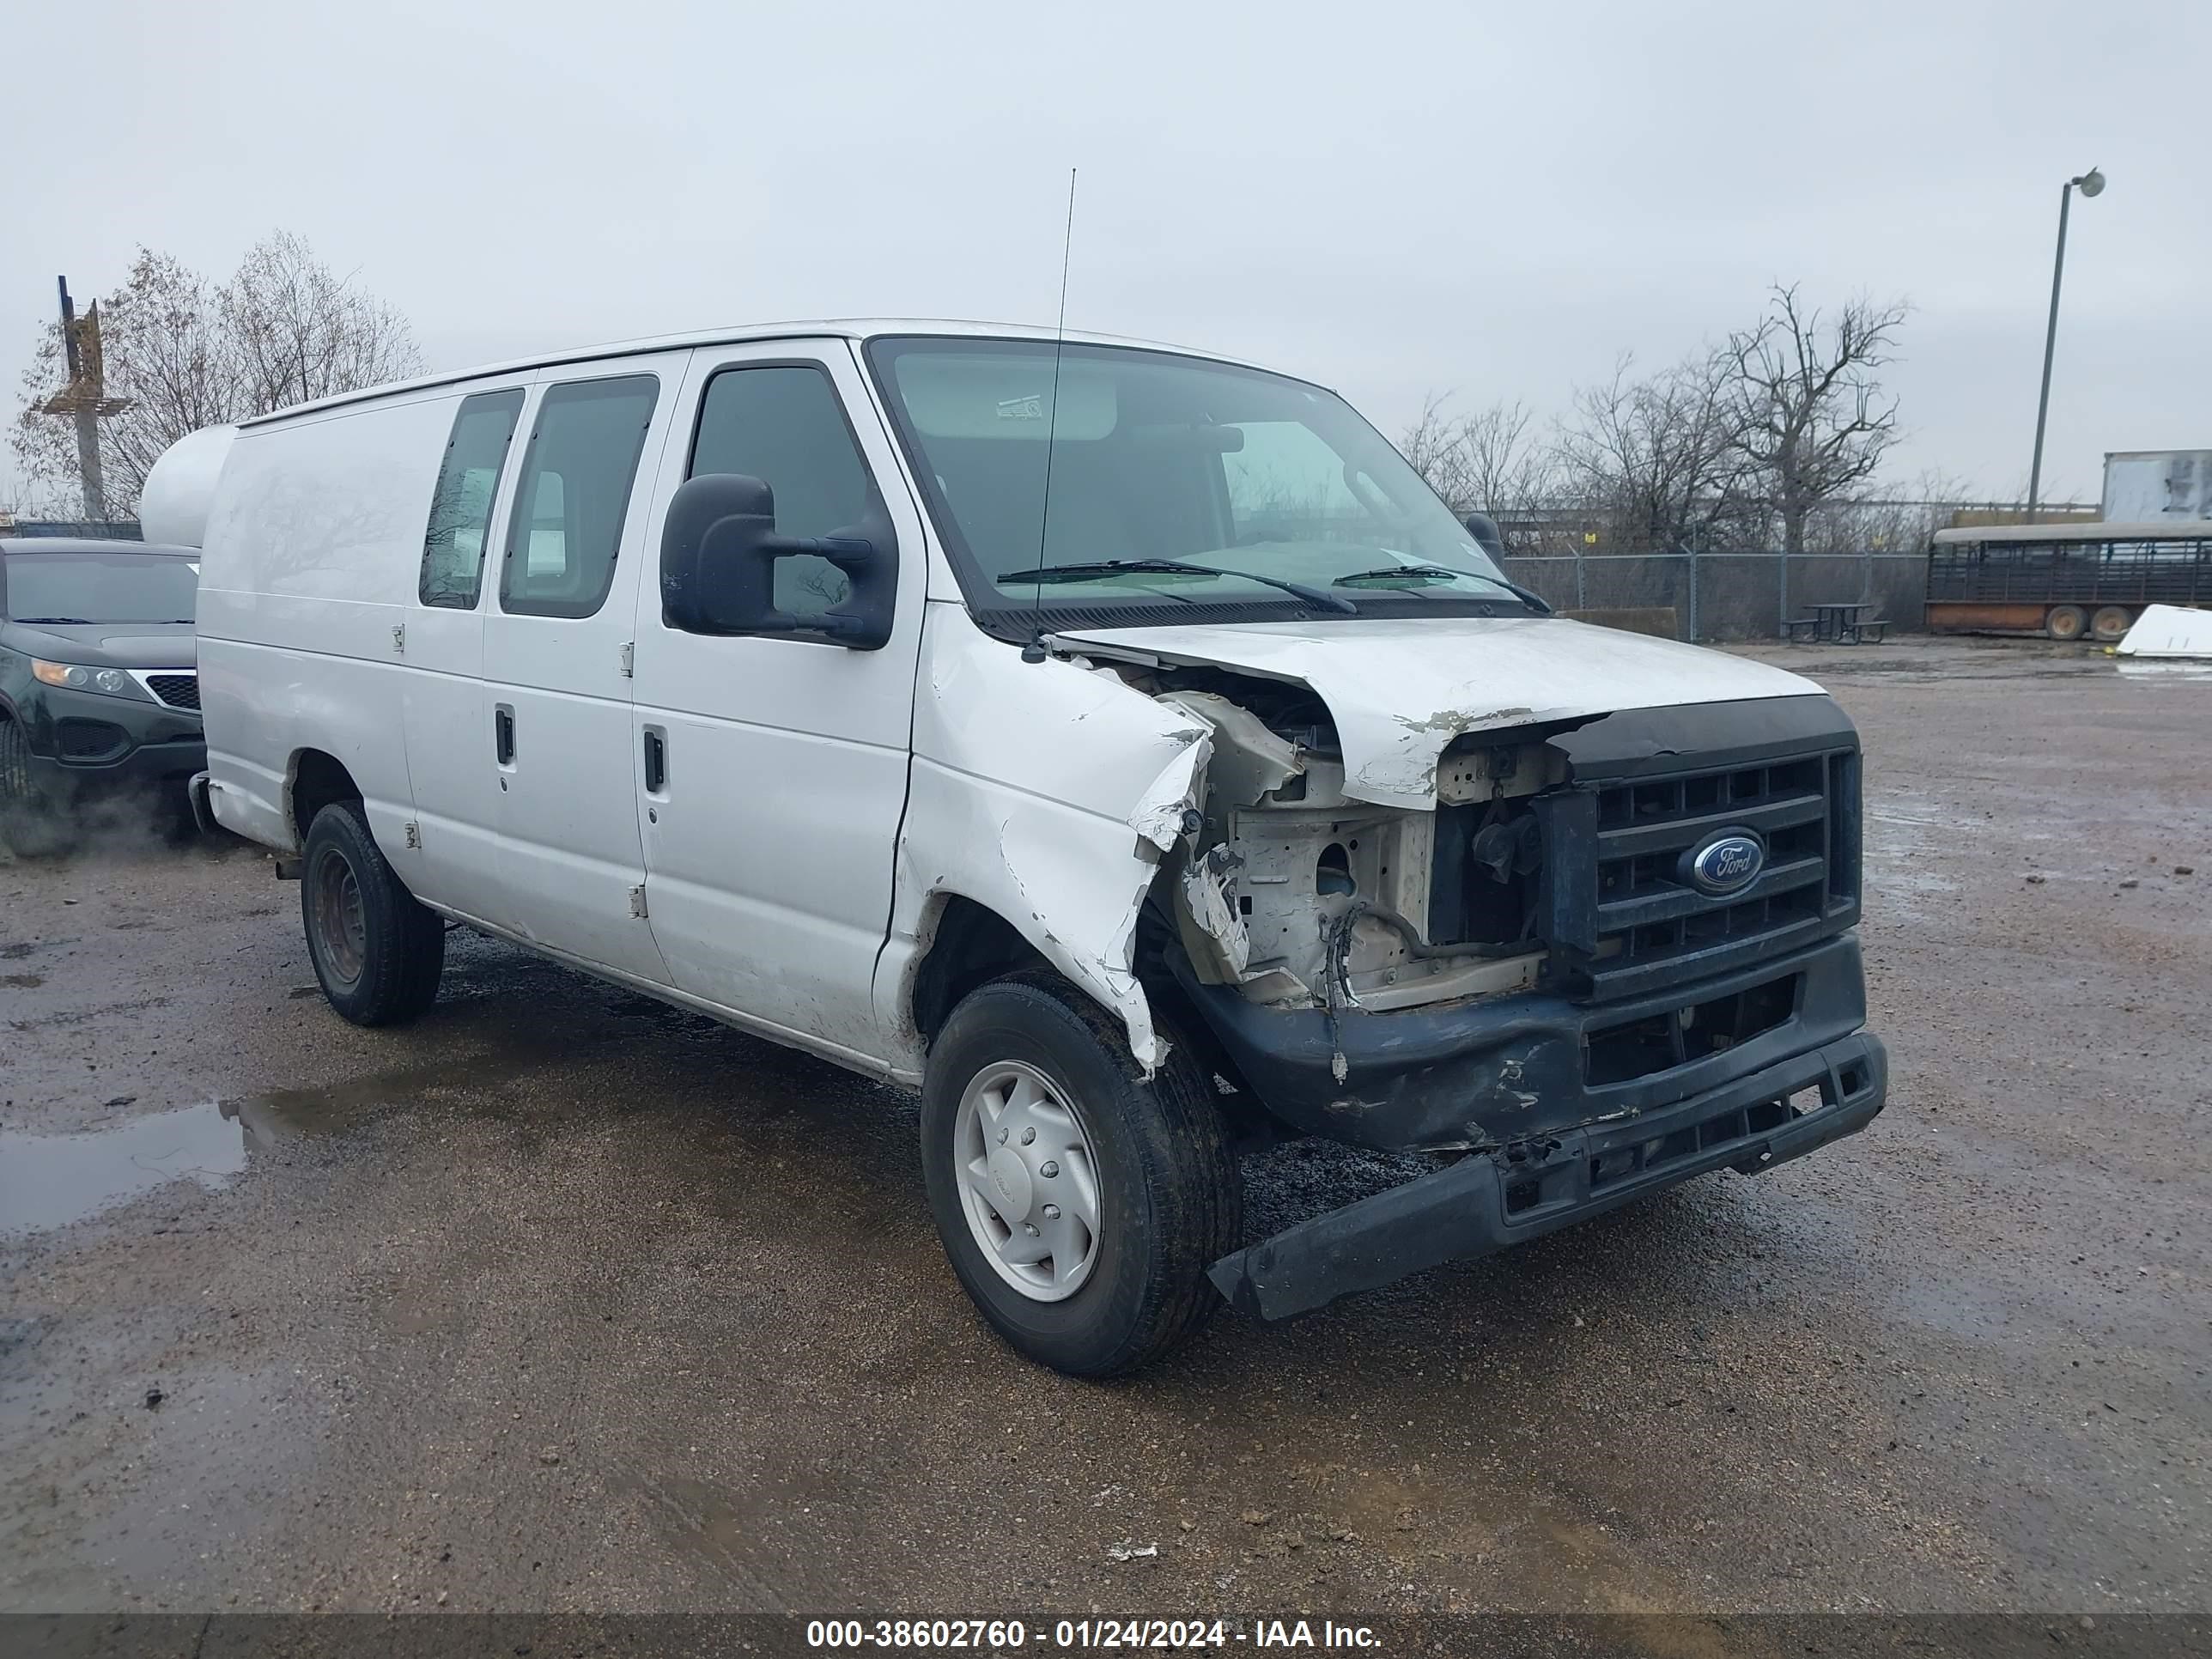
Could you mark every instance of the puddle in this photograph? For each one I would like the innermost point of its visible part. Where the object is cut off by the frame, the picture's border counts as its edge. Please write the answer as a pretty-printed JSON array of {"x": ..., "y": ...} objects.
[
  {"x": 50, "y": 1181},
  {"x": 2179, "y": 668}
]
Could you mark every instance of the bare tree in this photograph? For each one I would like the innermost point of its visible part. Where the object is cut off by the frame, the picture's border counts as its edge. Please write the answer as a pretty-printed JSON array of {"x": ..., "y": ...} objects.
[
  {"x": 1489, "y": 461},
  {"x": 184, "y": 354},
  {"x": 1654, "y": 461},
  {"x": 1809, "y": 421},
  {"x": 1897, "y": 516},
  {"x": 299, "y": 332}
]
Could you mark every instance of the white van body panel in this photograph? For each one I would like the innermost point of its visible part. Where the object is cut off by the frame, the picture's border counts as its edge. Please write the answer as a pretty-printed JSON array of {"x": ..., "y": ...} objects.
[
  {"x": 1061, "y": 840},
  {"x": 299, "y": 594},
  {"x": 571, "y": 854},
  {"x": 1402, "y": 689},
  {"x": 768, "y": 846}
]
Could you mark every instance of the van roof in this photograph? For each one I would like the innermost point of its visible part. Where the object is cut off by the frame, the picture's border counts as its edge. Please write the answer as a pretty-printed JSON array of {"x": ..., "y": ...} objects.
[
  {"x": 88, "y": 544},
  {"x": 851, "y": 328}
]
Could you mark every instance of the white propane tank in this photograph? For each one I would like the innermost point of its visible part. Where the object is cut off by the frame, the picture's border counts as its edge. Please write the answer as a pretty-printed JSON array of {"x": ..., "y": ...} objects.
[{"x": 173, "y": 507}]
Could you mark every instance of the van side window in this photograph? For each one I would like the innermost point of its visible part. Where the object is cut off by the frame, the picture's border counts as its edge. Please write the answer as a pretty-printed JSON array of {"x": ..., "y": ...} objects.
[
  {"x": 783, "y": 424},
  {"x": 565, "y": 528},
  {"x": 461, "y": 506}
]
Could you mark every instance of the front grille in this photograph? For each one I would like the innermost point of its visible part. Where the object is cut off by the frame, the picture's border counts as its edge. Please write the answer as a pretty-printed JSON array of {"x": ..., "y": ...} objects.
[
  {"x": 177, "y": 691},
  {"x": 1661, "y": 1041},
  {"x": 1649, "y": 928}
]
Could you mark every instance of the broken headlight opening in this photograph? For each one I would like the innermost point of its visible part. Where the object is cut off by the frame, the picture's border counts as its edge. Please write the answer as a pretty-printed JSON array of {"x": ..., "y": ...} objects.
[{"x": 1302, "y": 897}]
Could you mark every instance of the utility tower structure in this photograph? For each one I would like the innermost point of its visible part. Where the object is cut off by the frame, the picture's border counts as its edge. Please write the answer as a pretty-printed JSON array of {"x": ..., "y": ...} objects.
[{"x": 85, "y": 398}]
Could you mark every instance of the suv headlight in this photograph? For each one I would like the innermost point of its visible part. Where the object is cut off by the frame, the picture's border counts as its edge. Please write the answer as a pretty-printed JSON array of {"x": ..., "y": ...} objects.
[{"x": 76, "y": 676}]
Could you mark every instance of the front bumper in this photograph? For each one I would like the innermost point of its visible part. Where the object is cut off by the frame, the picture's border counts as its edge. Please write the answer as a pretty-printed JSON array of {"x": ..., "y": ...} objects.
[
  {"x": 156, "y": 765},
  {"x": 1490, "y": 1071},
  {"x": 84, "y": 745},
  {"x": 1491, "y": 1199}
]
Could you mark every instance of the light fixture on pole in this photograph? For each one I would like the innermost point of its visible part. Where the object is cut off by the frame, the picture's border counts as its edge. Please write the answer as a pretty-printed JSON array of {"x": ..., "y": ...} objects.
[{"x": 2089, "y": 184}]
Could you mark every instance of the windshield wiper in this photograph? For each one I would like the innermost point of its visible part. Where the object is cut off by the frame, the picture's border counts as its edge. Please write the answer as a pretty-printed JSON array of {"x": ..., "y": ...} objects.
[
  {"x": 1315, "y": 596},
  {"x": 64, "y": 621},
  {"x": 1532, "y": 600}
]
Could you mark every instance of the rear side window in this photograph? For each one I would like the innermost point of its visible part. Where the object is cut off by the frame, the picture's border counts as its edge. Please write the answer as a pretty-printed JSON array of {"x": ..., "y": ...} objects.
[
  {"x": 461, "y": 508},
  {"x": 566, "y": 524},
  {"x": 782, "y": 423}
]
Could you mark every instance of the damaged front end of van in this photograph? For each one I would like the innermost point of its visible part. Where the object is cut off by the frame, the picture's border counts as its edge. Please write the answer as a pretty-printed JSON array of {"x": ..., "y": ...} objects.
[{"x": 1574, "y": 953}]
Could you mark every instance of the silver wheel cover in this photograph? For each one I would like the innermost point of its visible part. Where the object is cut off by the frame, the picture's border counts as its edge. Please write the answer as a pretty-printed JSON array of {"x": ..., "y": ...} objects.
[{"x": 1029, "y": 1183}]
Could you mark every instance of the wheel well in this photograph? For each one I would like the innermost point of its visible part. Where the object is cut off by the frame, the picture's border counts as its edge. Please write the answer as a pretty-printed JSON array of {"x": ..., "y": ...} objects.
[
  {"x": 972, "y": 946},
  {"x": 318, "y": 780}
]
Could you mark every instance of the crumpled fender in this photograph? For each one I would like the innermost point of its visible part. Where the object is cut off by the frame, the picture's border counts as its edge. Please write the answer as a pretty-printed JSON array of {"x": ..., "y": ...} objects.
[{"x": 1062, "y": 835}]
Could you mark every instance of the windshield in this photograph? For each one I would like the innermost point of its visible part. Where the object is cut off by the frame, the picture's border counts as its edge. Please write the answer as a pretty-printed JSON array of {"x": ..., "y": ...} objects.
[
  {"x": 100, "y": 587},
  {"x": 1206, "y": 483}
]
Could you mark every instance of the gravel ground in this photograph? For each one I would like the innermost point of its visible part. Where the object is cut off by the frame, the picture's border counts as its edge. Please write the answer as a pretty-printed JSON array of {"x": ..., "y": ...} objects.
[{"x": 561, "y": 1300}]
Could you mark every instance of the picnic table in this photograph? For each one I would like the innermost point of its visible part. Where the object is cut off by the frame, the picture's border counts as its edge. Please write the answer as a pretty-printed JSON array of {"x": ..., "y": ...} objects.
[{"x": 1839, "y": 622}]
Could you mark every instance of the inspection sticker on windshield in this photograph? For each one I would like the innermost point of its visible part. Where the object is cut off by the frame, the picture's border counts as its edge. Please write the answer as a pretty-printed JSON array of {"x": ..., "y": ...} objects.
[{"x": 1031, "y": 408}]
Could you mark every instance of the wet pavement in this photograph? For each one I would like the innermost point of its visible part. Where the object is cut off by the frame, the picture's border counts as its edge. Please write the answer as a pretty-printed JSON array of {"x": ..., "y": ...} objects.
[{"x": 564, "y": 1300}]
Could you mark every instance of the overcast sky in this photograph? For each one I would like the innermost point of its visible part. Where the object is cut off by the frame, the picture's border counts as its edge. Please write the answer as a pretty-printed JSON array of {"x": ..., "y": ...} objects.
[{"x": 1390, "y": 198}]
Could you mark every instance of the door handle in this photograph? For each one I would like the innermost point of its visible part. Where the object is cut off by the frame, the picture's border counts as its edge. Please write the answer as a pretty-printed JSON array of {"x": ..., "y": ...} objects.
[
  {"x": 656, "y": 761},
  {"x": 502, "y": 734}
]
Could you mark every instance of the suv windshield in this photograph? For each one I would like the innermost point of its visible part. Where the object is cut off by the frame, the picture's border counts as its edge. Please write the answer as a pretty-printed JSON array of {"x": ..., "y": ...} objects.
[
  {"x": 100, "y": 587},
  {"x": 1175, "y": 482}
]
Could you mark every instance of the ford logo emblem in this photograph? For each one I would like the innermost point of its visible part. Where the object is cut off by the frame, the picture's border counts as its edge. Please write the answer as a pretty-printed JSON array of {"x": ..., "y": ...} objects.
[{"x": 1728, "y": 863}]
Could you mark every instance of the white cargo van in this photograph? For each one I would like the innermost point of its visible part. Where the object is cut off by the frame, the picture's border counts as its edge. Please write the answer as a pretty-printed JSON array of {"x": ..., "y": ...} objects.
[{"x": 1120, "y": 745}]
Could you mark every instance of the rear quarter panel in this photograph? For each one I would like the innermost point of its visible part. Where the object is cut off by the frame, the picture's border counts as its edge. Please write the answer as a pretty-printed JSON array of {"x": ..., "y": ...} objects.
[{"x": 313, "y": 548}]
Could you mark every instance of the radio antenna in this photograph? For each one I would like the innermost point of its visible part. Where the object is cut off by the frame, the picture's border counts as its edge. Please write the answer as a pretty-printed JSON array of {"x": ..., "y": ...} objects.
[{"x": 1034, "y": 650}]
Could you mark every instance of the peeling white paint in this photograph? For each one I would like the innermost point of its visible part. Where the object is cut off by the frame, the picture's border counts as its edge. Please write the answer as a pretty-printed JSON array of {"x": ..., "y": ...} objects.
[
  {"x": 1059, "y": 830},
  {"x": 1159, "y": 815},
  {"x": 1402, "y": 689}
]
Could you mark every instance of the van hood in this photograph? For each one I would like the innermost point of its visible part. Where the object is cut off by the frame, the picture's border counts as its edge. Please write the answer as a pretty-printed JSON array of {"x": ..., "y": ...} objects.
[
  {"x": 109, "y": 645},
  {"x": 1402, "y": 689}
]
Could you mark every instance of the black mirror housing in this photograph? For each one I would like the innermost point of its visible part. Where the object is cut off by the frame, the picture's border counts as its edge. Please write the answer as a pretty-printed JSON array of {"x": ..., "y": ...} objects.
[{"x": 718, "y": 549}]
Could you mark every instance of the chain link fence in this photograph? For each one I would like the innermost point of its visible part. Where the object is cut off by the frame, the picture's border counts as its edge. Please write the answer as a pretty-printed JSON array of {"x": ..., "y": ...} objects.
[{"x": 1730, "y": 596}]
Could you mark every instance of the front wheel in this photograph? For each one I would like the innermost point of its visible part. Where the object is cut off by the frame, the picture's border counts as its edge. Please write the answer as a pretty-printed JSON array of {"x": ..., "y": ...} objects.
[
  {"x": 1079, "y": 1201},
  {"x": 377, "y": 951},
  {"x": 32, "y": 826}
]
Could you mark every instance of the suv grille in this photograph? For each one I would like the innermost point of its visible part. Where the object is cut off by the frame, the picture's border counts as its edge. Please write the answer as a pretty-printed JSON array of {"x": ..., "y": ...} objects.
[
  {"x": 1651, "y": 929},
  {"x": 177, "y": 691}
]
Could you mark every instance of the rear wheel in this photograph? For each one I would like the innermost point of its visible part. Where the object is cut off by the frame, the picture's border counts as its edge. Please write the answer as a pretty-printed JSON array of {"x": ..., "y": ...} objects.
[
  {"x": 1079, "y": 1201},
  {"x": 32, "y": 826},
  {"x": 2110, "y": 623},
  {"x": 2066, "y": 622},
  {"x": 377, "y": 951}
]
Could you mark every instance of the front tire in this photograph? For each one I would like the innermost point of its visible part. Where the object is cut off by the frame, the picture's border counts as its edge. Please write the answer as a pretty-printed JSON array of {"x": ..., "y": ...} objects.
[
  {"x": 377, "y": 951},
  {"x": 1080, "y": 1202},
  {"x": 32, "y": 826}
]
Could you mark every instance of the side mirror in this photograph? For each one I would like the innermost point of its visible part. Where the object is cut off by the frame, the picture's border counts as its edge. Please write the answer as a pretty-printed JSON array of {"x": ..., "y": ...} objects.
[
  {"x": 719, "y": 550},
  {"x": 1484, "y": 529}
]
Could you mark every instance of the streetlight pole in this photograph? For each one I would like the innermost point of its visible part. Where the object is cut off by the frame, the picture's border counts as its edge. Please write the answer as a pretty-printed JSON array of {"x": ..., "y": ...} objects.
[{"x": 2088, "y": 184}]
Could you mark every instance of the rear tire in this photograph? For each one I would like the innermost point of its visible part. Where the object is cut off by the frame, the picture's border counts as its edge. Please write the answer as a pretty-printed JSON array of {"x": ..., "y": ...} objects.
[
  {"x": 2066, "y": 622},
  {"x": 32, "y": 826},
  {"x": 377, "y": 951},
  {"x": 2110, "y": 625},
  {"x": 1154, "y": 1154}
]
